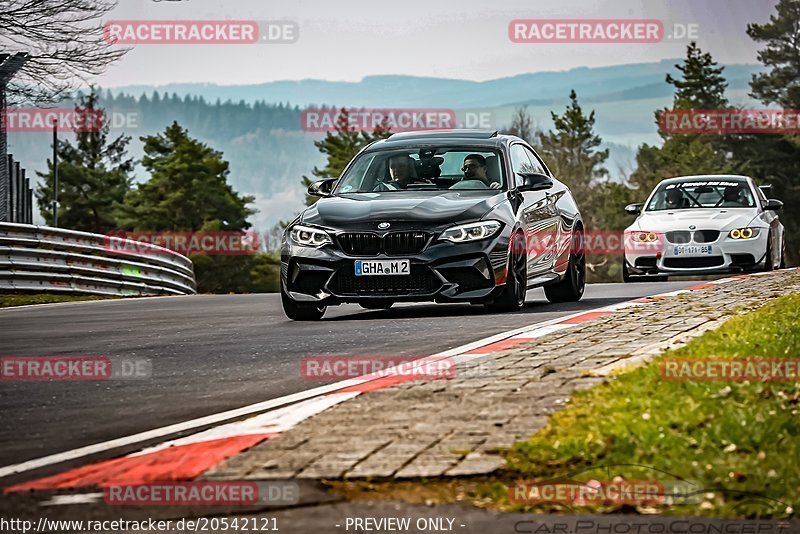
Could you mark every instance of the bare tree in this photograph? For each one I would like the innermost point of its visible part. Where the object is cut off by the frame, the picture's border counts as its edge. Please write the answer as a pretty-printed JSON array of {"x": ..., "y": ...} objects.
[
  {"x": 65, "y": 41},
  {"x": 522, "y": 124}
]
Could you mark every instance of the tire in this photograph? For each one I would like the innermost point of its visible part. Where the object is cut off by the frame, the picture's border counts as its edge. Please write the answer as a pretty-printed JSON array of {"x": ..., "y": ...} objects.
[
  {"x": 783, "y": 253},
  {"x": 301, "y": 311},
  {"x": 628, "y": 279},
  {"x": 571, "y": 288},
  {"x": 768, "y": 260},
  {"x": 626, "y": 274},
  {"x": 512, "y": 297},
  {"x": 377, "y": 305}
]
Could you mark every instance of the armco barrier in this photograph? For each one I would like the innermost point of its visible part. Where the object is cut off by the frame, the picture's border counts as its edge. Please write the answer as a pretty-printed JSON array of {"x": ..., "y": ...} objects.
[{"x": 40, "y": 258}]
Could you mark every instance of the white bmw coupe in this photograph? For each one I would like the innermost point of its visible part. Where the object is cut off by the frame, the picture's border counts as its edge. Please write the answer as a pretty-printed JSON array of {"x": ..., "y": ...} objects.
[{"x": 703, "y": 225}]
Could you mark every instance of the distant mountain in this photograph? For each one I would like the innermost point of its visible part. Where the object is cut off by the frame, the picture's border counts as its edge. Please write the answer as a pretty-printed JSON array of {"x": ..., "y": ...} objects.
[
  {"x": 258, "y": 127},
  {"x": 405, "y": 91}
]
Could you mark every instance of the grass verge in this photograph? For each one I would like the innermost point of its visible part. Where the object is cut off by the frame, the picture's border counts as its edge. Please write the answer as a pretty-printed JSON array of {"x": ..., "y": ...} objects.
[
  {"x": 737, "y": 444},
  {"x": 731, "y": 447}
]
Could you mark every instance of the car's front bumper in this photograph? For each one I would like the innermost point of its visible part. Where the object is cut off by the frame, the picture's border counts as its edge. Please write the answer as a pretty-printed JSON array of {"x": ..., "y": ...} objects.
[
  {"x": 727, "y": 256},
  {"x": 441, "y": 272}
]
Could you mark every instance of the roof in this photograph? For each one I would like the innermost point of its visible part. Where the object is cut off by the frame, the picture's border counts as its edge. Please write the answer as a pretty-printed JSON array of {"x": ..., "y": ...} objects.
[
  {"x": 706, "y": 177},
  {"x": 470, "y": 137},
  {"x": 444, "y": 134}
]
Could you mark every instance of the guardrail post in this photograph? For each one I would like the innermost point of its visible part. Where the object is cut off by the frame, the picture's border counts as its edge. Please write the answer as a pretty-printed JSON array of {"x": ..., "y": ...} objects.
[
  {"x": 6, "y": 181},
  {"x": 26, "y": 199},
  {"x": 9, "y": 65},
  {"x": 17, "y": 193}
]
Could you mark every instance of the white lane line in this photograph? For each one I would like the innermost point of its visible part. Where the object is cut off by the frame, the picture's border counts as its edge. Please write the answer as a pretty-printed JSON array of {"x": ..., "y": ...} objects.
[
  {"x": 167, "y": 430},
  {"x": 260, "y": 406},
  {"x": 239, "y": 412},
  {"x": 72, "y": 498},
  {"x": 273, "y": 422}
]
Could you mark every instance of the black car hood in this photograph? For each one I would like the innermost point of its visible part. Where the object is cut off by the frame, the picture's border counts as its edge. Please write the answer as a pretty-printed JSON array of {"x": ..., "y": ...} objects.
[{"x": 426, "y": 207}]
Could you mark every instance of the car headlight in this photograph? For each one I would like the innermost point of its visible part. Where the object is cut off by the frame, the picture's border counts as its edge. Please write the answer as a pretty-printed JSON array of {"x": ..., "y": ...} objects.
[
  {"x": 464, "y": 233},
  {"x": 644, "y": 237},
  {"x": 743, "y": 233},
  {"x": 309, "y": 237}
]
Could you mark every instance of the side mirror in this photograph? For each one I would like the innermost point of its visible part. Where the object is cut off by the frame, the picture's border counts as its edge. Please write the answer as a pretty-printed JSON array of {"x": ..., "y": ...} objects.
[
  {"x": 534, "y": 181},
  {"x": 322, "y": 188},
  {"x": 634, "y": 209},
  {"x": 773, "y": 205}
]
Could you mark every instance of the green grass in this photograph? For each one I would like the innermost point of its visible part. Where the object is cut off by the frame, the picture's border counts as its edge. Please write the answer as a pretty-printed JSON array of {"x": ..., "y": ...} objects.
[
  {"x": 739, "y": 441},
  {"x": 9, "y": 300}
]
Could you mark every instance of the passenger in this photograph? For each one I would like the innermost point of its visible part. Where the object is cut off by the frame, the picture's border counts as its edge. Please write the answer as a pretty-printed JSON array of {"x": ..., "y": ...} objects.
[
  {"x": 475, "y": 169},
  {"x": 731, "y": 197}
]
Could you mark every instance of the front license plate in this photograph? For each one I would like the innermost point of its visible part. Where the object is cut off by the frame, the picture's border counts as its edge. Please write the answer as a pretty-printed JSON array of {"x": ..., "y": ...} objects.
[
  {"x": 692, "y": 250},
  {"x": 383, "y": 267}
]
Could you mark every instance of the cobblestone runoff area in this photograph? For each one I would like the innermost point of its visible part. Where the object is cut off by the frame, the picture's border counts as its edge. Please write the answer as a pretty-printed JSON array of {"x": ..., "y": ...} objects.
[{"x": 457, "y": 426}]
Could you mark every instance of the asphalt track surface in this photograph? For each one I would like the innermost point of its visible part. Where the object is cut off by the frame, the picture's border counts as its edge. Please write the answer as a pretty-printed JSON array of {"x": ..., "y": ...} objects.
[{"x": 212, "y": 353}]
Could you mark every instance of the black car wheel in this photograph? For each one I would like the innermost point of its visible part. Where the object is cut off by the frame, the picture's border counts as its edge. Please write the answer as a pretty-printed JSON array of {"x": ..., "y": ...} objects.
[
  {"x": 626, "y": 274},
  {"x": 768, "y": 259},
  {"x": 628, "y": 279},
  {"x": 513, "y": 296},
  {"x": 301, "y": 311},
  {"x": 571, "y": 288},
  {"x": 783, "y": 254}
]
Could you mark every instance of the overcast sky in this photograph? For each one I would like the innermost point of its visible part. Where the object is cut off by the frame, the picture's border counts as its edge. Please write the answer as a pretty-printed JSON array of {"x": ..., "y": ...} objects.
[{"x": 350, "y": 39}]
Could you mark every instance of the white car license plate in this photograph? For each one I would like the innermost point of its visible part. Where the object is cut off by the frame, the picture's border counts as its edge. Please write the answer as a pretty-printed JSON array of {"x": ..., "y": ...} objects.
[
  {"x": 383, "y": 267},
  {"x": 692, "y": 250}
]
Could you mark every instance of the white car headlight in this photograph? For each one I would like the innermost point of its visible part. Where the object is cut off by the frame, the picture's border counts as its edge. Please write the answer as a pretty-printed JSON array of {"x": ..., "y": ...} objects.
[
  {"x": 644, "y": 237},
  {"x": 309, "y": 237},
  {"x": 464, "y": 233},
  {"x": 743, "y": 233}
]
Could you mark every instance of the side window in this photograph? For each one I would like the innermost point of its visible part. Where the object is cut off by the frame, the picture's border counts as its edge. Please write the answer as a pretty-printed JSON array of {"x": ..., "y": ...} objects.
[
  {"x": 537, "y": 165},
  {"x": 761, "y": 196},
  {"x": 520, "y": 161}
]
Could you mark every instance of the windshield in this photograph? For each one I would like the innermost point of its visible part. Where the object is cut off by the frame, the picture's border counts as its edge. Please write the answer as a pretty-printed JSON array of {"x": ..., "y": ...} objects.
[
  {"x": 424, "y": 168},
  {"x": 701, "y": 194}
]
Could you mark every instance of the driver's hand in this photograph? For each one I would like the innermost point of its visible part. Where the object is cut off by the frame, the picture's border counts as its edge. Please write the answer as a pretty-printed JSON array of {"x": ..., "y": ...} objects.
[{"x": 494, "y": 185}]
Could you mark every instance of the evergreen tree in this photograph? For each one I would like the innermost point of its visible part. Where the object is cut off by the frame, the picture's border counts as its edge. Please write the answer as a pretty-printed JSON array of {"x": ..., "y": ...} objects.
[
  {"x": 93, "y": 174},
  {"x": 187, "y": 190},
  {"x": 341, "y": 146},
  {"x": 781, "y": 84},
  {"x": 572, "y": 152},
  {"x": 775, "y": 158},
  {"x": 702, "y": 86}
]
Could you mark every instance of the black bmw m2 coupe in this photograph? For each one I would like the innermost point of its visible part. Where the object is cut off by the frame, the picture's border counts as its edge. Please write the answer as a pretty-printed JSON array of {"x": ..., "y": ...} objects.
[{"x": 458, "y": 216}]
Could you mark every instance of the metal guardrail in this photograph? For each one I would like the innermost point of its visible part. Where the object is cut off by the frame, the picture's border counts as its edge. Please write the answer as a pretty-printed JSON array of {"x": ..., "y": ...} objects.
[{"x": 40, "y": 258}]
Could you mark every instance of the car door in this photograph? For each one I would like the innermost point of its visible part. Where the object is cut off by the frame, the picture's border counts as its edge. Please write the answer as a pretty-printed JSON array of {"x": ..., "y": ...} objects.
[{"x": 538, "y": 215}]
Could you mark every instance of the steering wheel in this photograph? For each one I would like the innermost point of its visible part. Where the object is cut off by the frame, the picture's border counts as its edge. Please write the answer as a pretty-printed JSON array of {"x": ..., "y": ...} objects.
[{"x": 381, "y": 187}]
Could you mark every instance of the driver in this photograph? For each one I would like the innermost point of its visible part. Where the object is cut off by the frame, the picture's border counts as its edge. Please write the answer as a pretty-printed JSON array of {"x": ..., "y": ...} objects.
[
  {"x": 475, "y": 169},
  {"x": 401, "y": 173},
  {"x": 674, "y": 199}
]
